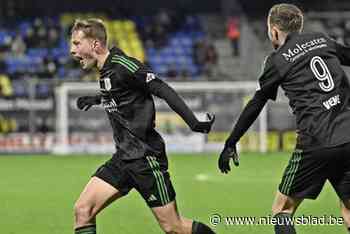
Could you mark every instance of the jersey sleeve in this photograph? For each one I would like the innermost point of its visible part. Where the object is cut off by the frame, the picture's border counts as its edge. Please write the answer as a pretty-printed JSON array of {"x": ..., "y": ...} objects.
[
  {"x": 343, "y": 52},
  {"x": 246, "y": 119},
  {"x": 144, "y": 79},
  {"x": 269, "y": 79},
  {"x": 136, "y": 77}
]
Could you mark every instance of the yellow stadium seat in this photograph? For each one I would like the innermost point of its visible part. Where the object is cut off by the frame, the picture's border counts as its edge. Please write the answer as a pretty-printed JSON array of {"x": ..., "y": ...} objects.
[
  {"x": 117, "y": 25},
  {"x": 5, "y": 86},
  {"x": 129, "y": 26},
  {"x": 132, "y": 35},
  {"x": 123, "y": 43},
  {"x": 67, "y": 19},
  {"x": 136, "y": 44},
  {"x": 128, "y": 52},
  {"x": 139, "y": 55}
]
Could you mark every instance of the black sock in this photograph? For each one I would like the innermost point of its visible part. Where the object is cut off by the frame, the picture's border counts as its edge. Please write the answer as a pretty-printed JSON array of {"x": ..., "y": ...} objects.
[
  {"x": 349, "y": 229},
  {"x": 201, "y": 228},
  {"x": 283, "y": 224},
  {"x": 90, "y": 229}
]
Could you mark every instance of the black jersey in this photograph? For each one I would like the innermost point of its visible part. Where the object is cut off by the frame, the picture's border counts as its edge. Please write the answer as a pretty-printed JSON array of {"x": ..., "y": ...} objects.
[
  {"x": 308, "y": 68},
  {"x": 130, "y": 106},
  {"x": 127, "y": 87}
]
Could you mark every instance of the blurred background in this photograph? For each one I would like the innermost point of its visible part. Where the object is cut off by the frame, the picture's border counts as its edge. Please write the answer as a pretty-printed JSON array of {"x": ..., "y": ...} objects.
[{"x": 211, "y": 52}]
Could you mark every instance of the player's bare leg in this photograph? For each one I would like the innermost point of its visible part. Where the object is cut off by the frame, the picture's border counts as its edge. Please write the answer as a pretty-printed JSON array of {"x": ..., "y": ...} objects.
[
  {"x": 171, "y": 222},
  {"x": 283, "y": 209},
  {"x": 96, "y": 195},
  {"x": 345, "y": 211}
]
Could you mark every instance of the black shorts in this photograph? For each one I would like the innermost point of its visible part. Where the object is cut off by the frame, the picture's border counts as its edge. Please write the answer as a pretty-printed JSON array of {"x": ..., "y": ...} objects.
[
  {"x": 307, "y": 172},
  {"x": 149, "y": 176}
]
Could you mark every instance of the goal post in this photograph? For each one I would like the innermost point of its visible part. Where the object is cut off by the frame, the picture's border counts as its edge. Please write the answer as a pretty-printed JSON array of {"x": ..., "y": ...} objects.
[{"x": 90, "y": 132}]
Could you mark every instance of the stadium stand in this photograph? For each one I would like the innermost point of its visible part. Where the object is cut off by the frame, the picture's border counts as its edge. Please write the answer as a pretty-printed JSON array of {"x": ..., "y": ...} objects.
[{"x": 176, "y": 47}]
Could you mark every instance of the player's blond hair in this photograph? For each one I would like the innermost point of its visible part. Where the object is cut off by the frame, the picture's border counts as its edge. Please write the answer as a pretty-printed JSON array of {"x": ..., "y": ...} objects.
[
  {"x": 92, "y": 28},
  {"x": 286, "y": 17}
]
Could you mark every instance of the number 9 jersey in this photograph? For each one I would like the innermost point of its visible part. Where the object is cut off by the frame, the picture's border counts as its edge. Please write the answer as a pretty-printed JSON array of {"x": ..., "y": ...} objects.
[{"x": 308, "y": 69}]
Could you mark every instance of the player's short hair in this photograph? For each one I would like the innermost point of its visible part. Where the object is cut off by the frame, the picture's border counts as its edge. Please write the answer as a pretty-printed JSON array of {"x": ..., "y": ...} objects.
[
  {"x": 92, "y": 28},
  {"x": 286, "y": 17}
]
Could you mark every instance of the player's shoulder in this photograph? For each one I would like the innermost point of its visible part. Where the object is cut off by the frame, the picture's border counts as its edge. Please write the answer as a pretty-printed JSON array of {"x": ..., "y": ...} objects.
[
  {"x": 123, "y": 62},
  {"x": 269, "y": 61},
  {"x": 268, "y": 66},
  {"x": 301, "y": 41},
  {"x": 296, "y": 46}
]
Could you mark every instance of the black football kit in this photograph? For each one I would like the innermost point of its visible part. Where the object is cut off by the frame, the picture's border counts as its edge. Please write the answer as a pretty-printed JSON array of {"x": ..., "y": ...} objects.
[
  {"x": 140, "y": 162},
  {"x": 308, "y": 69}
]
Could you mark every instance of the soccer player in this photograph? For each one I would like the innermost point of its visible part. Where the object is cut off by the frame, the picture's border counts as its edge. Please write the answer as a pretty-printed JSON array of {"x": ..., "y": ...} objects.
[
  {"x": 308, "y": 68},
  {"x": 140, "y": 162}
]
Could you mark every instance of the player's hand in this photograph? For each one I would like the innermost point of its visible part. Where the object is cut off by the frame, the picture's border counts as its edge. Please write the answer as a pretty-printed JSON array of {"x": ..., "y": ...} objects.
[
  {"x": 205, "y": 126},
  {"x": 85, "y": 102},
  {"x": 225, "y": 156}
]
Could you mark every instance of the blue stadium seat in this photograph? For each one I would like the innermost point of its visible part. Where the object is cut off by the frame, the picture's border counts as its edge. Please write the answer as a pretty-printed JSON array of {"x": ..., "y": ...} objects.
[
  {"x": 20, "y": 89},
  {"x": 62, "y": 72},
  {"x": 151, "y": 52},
  {"x": 43, "y": 90},
  {"x": 23, "y": 28},
  {"x": 58, "y": 52},
  {"x": 4, "y": 37},
  {"x": 37, "y": 52},
  {"x": 174, "y": 41},
  {"x": 197, "y": 35}
]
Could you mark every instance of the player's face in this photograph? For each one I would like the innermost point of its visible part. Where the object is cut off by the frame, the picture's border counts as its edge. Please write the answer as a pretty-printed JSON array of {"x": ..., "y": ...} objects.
[
  {"x": 82, "y": 49},
  {"x": 273, "y": 34}
]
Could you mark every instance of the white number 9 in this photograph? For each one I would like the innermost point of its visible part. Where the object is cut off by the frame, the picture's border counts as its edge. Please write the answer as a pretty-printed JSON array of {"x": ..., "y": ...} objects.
[{"x": 327, "y": 83}]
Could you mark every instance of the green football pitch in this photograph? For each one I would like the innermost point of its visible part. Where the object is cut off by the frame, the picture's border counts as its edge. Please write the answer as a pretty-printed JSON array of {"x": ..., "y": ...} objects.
[{"x": 37, "y": 194}]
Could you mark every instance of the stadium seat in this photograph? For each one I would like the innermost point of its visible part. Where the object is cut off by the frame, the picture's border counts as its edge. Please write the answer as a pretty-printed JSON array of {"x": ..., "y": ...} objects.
[
  {"x": 179, "y": 49},
  {"x": 129, "y": 26},
  {"x": 124, "y": 33},
  {"x": 20, "y": 88},
  {"x": 43, "y": 90}
]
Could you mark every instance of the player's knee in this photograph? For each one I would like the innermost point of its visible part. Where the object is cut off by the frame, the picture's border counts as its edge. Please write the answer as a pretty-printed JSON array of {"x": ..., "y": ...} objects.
[
  {"x": 276, "y": 208},
  {"x": 345, "y": 204},
  {"x": 285, "y": 204},
  {"x": 172, "y": 228},
  {"x": 282, "y": 207},
  {"x": 345, "y": 210},
  {"x": 168, "y": 229},
  {"x": 83, "y": 212}
]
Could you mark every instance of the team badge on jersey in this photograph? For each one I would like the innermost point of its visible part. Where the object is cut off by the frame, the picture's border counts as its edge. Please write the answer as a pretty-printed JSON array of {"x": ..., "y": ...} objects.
[{"x": 107, "y": 84}]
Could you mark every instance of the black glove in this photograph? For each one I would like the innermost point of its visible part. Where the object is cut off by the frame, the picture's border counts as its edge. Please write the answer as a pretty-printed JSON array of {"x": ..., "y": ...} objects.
[
  {"x": 224, "y": 159},
  {"x": 204, "y": 126},
  {"x": 85, "y": 102}
]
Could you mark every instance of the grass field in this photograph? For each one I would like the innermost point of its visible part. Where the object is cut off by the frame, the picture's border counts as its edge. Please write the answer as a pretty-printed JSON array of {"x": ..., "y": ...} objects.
[{"x": 37, "y": 194}]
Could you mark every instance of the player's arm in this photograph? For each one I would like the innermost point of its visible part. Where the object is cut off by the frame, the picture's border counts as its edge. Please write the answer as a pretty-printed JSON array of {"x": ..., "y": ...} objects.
[
  {"x": 86, "y": 102},
  {"x": 245, "y": 120},
  {"x": 145, "y": 80},
  {"x": 267, "y": 89},
  {"x": 162, "y": 90}
]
